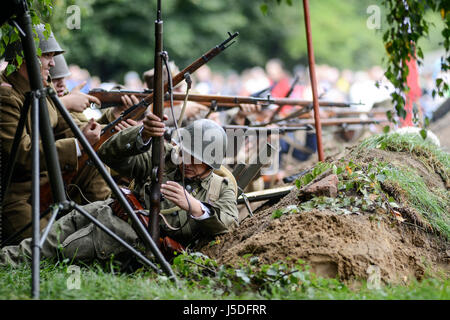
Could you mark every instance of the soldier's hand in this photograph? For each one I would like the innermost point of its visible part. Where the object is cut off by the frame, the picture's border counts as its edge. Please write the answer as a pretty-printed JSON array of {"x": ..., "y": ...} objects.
[
  {"x": 127, "y": 101},
  {"x": 92, "y": 131},
  {"x": 175, "y": 192},
  {"x": 194, "y": 108},
  {"x": 248, "y": 108},
  {"x": 78, "y": 101},
  {"x": 122, "y": 125},
  {"x": 153, "y": 126}
]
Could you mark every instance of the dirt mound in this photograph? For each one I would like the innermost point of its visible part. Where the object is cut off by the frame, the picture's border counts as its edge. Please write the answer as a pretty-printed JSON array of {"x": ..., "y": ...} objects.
[{"x": 348, "y": 246}]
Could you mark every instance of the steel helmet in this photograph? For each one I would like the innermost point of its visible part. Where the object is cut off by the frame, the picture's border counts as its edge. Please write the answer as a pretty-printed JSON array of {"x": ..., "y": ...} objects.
[
  {"x": 60, "y": 70},
  {"x": 205, "y": 140},
  {"x": 46, "y": 45},
  {"x": 149, "y": 74}
]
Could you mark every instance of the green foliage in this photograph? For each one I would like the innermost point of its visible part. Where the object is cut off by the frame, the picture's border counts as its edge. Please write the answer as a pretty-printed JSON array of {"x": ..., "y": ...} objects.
[
  {"x": 201, "y": 278},
  {"x": 359, "y": 190},
  {"x": 407, "y": 24},
  {"x": 433, "y": 205},
  {"x": 318, "y": 169},
  {"x": 40, "y": 10},
  {"x": 288, "y": 210},
  {"x": 117, "y": 36},
  {"x": 428, "y": 153}
]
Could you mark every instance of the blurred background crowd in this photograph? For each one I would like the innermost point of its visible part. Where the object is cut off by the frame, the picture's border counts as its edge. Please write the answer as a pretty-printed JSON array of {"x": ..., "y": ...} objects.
[{"x": 366, "y": 87}]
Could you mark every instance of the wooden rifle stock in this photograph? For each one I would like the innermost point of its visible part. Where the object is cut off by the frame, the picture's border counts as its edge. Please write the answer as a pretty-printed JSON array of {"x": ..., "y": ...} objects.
[
  {"x": 168, "y": 245},
  {"x": 134, "y": 113},
  {"x": 112, "y": 98}
]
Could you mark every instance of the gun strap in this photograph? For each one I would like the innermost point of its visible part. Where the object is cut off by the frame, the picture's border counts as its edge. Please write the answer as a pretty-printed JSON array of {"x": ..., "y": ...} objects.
[{"x": 183, "y": 109}]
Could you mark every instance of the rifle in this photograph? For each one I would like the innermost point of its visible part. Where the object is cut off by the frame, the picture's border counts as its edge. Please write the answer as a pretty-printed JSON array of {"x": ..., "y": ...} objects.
[
  {"x": 157, "y": 142},
  {"x": 168, "y": 246},
  {"x": 336, "y": 121},
  {"x": 112, "y": 98},
  {"x": 281, "y": 129},
  {"x": 135, "y": 112},
  {"x": 374, "y": 112},
  {"x": 266, "y": 194}
]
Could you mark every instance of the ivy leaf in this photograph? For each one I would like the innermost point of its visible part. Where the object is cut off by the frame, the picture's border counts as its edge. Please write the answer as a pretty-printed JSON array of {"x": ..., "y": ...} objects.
[
  {"x": 19, "y": 60},
  {"x": 10, "y": 69},
  {"x": 423, "y": 134},
  {"x": 14, "y": 37},
  {"x": 242, "y": 275},
  {"x": 264, "y": 8}
]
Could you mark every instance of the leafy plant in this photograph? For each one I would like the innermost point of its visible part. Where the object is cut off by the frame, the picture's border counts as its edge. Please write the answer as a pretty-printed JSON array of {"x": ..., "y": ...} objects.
[
  {"x": 318, "y": 169},
  {"x": 407, "y": 23},
  {"x": 40, "y": 11}
]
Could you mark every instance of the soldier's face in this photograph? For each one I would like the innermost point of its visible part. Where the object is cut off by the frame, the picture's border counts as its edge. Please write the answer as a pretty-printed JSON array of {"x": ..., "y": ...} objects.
[
  {"x": 199, "y": 170},
  {"x": 60, "y": 86},
  {"x": 46, "y": 63}
]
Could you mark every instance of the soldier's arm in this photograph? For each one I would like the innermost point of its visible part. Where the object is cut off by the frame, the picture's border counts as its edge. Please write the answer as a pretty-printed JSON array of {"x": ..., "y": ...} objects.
[
  {"x": 127, "y": 153},
  {"x": 10, "y": 109},
  {"x": 223, "y": 213}
]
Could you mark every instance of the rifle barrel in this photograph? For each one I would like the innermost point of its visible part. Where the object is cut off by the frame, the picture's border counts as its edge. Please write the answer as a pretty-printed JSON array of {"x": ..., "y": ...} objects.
[
  {"x": 112, "y": 98},
  {"x": 337, "y": 121}
]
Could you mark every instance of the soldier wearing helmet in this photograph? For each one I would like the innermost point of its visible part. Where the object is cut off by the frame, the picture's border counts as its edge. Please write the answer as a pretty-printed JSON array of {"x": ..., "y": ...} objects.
[
  {"x": 197, "y": 203},
  {"x": 16, "y": 210},
  {"x": 59, "y": 72}
]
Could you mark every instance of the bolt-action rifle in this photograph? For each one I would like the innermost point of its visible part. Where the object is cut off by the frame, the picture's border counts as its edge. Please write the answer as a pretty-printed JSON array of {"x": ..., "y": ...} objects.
[
  {"x": 135, "y": 112},
  {"x": 112, "y": 98},
  {"x": 334, "y": 121}
]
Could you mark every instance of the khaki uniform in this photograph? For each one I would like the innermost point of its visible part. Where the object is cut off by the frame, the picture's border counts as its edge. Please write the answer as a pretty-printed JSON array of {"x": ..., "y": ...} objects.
[
  {"x": 88, "y": 185},
  {"x": 16, "y": 210},
  {"x": 126, "y": 154}
]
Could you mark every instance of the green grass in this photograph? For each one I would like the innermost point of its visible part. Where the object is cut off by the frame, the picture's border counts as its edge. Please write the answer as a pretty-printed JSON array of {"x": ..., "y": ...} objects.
[
  {"x": 432, "y": 205},
  {"x": 429, "y": 154},
  {"x": 98, "y": 283}
]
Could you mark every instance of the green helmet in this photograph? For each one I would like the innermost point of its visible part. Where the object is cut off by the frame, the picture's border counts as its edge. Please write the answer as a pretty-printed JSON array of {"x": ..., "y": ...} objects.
[
  {"x": 60, "y": 70},
  {"x": 46, "y": 45},
  {"x": 205, "y": 140}
]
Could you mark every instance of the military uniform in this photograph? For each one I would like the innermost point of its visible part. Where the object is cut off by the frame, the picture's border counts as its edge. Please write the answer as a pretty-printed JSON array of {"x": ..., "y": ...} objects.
[
  {"x": 126, "y": 153},
  {"x": 88, "y": 185},
  {"x": 16, "y": 211}
]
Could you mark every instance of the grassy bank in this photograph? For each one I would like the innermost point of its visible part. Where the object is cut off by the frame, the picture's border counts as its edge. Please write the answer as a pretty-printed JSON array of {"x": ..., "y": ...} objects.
[{"x": 96, "y": 282}]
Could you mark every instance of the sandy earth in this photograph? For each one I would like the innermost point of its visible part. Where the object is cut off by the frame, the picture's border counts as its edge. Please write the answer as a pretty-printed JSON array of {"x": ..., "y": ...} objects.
[{"x": 347, "y": 246}]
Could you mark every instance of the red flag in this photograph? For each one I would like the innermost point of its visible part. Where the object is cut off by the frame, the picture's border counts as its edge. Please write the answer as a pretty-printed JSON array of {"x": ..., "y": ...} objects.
[{"x": 414, "y": 93}]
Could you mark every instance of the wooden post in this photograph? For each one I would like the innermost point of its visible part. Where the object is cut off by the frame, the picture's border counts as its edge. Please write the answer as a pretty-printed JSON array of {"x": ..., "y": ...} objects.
[{"x": 312, "y": 75}]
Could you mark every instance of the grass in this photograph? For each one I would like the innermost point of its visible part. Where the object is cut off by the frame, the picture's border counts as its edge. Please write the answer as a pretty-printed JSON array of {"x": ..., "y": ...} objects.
[
  {"x": 432, "y": 205},
  {"x": 429, "y": 154},
  {"x": 98, "y": 283},
  {"x": 200, "y": 278}
]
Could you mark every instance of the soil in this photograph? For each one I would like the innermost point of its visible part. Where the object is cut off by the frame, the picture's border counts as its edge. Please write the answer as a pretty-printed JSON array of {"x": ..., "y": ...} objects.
[{"x": 343, "y": 246}]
